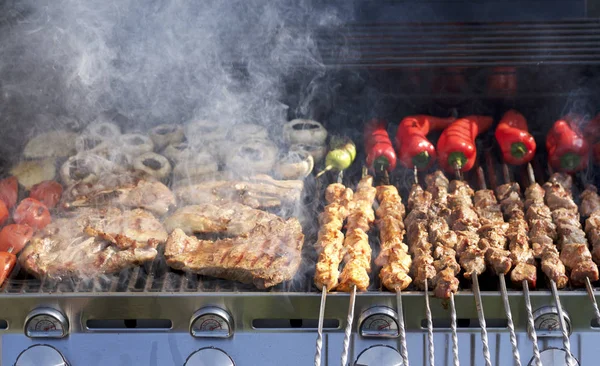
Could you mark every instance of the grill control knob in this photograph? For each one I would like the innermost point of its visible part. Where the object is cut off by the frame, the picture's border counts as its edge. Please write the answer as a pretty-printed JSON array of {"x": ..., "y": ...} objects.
[
  {"x": 209, "y": 357},
  {"x": 379, "y": 356},
  {"x": 547, "y": 323},
  {"x": 41, "y": 355},
  {"x": 554, "y": 357},
  {"x": 46, "y": 323}
]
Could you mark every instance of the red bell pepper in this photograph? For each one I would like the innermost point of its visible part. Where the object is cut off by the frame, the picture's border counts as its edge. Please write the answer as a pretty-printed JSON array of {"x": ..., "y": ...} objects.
[
  {"x": 517, "y": 144},
  {"x": 456, "y": 146},
  {"x": 414, "y": 149},
  {"x": 7, "y": 263},
  {"x": 568, "y": 151},
  {"x": 378, "y": 146}
]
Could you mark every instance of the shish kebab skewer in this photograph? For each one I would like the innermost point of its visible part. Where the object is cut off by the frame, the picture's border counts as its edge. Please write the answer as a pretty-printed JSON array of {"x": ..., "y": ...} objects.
[
  {"x": 357, "y": 258},
  {"x": 444, "y": 243},
  {"x": 329, "y": 246},
  {"x": 492, "y": 236},
  {"x": 509, "y": 195},
  {"x": 422, "y": 269},
  {"x": 393, "y": 255},
  {"x": 465, "y": 223},
  {"x": 590, "y": 210}
]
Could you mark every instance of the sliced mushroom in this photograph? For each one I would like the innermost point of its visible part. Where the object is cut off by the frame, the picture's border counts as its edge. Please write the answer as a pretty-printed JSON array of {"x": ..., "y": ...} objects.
[
  {"x": 318, "y": 152},
  {"x": 56, "y": 144},
  {"x": 248, "y": 131},
  {"x": 32, "y": 172},
  {"x": 134, "y": 144},
  {"x": 304, "y": 131},
  {"x": 197, "y": 165},
  {"x": 294, "y": 165},
  {"x": 201, "y": 131},
  {"x": 153, "y": 164},
  {"x": 163, "y": 135},
  {"x": 255, "y": 156},
  {"x": 105, "y": 130}
]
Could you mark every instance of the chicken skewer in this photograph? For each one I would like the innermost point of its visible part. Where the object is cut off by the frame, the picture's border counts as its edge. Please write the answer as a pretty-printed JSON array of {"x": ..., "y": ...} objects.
[
  {"x": 465, "y": 223},
  {"x": 492, "y": 236},
  {"x": 393, "y": 255},
  {"x": 357, "y": 258},
  {"x": 444, "y": 244},
  {"x": 590, "y": 210},
  {"x": 329, "y": 245},
  {"x": 509, "y": 195},
  {"x": 422, "y": 269}
]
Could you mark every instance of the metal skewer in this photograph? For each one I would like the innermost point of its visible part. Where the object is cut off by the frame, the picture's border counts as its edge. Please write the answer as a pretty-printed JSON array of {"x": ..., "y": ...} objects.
[
  {"x": 348, "y": 330},
  {"x": 590, "y": 291},
  {"x": 480, "y": 314},
  {"x": 561, "y": 320},
  {"x": 401, "y": 328},
  {"x": 453, "y": 327},
  {"x": 319, "y": 346},
  {"x": 431, "y": 347}
]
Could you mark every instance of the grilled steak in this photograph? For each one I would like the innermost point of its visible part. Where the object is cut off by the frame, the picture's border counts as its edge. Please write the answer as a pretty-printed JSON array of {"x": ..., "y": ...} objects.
[
  {"x": 268, "y": 253},
  {"x": 260, "y": 191},
  {"x": 93, "y": 241}
]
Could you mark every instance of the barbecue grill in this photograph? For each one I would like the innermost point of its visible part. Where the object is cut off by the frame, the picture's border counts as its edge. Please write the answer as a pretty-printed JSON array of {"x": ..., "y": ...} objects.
[{"x": 392, "y": 59}]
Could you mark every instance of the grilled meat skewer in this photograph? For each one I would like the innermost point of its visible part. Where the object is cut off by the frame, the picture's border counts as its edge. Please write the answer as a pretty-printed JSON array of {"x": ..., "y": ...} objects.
[
  {"x": 574, "y": 251},
  {"x": 417, "y": 223},
  {"x": 357, "y": 257},
  {"x": 331, "y": 239},
  {"x": 441, "y": 237},
  {"x": 590, "y": 208},
  {"x": 394, "y": 255},
  {"x": 509, "y": 195}
]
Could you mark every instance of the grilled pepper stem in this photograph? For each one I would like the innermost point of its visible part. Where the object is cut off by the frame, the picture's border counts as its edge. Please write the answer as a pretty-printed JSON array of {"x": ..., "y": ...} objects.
[
  {"x": 421, "y": 160},
  {"x": 457, "y": 160},
  {"x": 570, "y": 161},
  {"x": 518, "y": 149}
]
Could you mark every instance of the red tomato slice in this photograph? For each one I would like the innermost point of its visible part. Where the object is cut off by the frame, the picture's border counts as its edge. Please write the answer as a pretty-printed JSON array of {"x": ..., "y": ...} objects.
[
  {"x": 15, "y": 236},
  {"x": 33, "y": 213},
  {"x": 47, "y": 192},
  {"x": 3, "y": 212},
  {"x": 9, "y": 190}
]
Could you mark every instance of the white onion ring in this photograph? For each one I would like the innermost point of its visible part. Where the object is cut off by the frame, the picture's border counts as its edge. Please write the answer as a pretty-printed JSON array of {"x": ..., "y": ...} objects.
[
  {"x": 200, "y": 131},
  {"x": 294, "y": 165},
  {"x": 80, "y": 168},
  {"x": 316, "y": 134},
  {"x": 92, "y": 144},
  {"x": 255, "y": 156},
  {"x": 163, "y": 135},
  {"x": 196, "y": 165},
  {"x": 248, "y": 131},
  {"x": 105, "y": 130},
  {"x": 134, "y": 144},
  {"x": 318, "y": 152},
  {"x": 145, "y": 163}
]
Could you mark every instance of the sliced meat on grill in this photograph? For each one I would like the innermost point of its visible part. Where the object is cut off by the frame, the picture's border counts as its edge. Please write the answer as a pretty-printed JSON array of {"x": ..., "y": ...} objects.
[
  {"x": 268, "y": 254},
  {"x": 592, "y": 229},
  {"x": 553, "y": 267},
  {"x": 257, "y": 192},
  {"x": 558, "y": 198},
  {"x": 524, "y": 272},
  {"x": 150, "y": 195},
  {"x": 563, "y": 179},
  {"x": 90, "y": 242},
  {"x": 231, "y": 219}
]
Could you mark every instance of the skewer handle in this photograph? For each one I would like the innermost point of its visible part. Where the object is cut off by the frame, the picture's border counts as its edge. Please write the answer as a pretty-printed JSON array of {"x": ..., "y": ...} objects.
[
  {"x": 563, "y": 326},
  {"x": 590, "y": 291},
  {"x": 531, "y": 325},
  {"x": 320, "y": 328},
  {"x": 453, "y": 326},
  {"x": 401, "y": 328},
  {"x": 348, "y": 330},
  {"x": 429, "y": 327},
  {"x": 484, "y": 336},
  {"x": 511, "y": 326}
]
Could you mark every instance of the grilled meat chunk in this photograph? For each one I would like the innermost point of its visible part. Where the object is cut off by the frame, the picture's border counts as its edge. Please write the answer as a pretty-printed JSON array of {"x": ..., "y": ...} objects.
[
  {"x": 89, "y": 242},
  {"x": 257, "y": 192},
  {"x": 268, "y": 254},
  {"x": 590, "y": 201}
]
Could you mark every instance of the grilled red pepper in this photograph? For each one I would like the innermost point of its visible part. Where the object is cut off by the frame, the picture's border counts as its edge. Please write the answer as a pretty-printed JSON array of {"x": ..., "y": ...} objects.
[
  {"x": 378, "y": 146},
  {"x": 456, "y": 146},
  {"x": 568, "y": 151},
  {"x": 7, "y": 262},
  {"x": 414, "y": 149},
  {"x": 517, "y": 144}
]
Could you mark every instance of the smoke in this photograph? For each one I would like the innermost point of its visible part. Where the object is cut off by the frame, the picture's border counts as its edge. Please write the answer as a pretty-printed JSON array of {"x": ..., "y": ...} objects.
[{"x": 164, "y": 61}]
